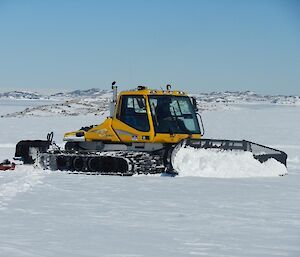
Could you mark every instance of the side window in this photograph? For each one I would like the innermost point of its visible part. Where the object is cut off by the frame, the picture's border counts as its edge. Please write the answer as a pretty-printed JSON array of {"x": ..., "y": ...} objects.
[{"x": 133, "y": 112}]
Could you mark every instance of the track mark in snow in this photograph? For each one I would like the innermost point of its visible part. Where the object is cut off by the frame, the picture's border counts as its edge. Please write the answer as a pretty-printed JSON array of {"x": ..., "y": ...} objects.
[
  {"x": 285, "y": 146},
  {"x": 125, "y": 255},
  {"x": 7, "y": 145},
  {"x": 293, "y": 164},
  {"x": 18, "y": 181},
  {"x": 294, "y": 160},
  {"x": 224, "y": 164}
]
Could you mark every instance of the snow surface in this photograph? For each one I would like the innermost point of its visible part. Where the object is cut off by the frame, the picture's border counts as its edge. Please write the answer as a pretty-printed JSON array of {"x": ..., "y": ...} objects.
[{"x": 57, "y": 214}]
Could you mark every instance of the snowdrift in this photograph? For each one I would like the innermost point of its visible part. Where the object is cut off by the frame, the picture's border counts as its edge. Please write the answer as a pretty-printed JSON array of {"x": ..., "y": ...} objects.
[{"x": 223, "y": 164}]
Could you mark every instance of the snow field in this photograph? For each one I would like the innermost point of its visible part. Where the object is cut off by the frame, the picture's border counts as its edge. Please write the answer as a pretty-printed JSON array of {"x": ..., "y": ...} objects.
[
  {"x": 57, "y": 214},
  {"x": 18, "y": 182},
  {"x": 77, "y": 215}
]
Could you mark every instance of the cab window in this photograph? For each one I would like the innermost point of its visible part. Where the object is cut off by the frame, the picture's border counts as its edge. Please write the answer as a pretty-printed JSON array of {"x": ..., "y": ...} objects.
[
  {"x": 133, "y": 112},
  {"x": 173, "y": 114}
]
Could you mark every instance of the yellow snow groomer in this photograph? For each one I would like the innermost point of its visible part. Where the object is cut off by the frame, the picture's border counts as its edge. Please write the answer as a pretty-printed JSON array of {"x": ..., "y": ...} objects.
[{"x": 139, "y": 137}]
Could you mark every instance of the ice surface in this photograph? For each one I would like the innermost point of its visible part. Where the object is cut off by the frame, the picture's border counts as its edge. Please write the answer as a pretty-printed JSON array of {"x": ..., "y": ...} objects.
[
  {"x": 224, "y": 164},
  {"x": 56, "y": 214}
]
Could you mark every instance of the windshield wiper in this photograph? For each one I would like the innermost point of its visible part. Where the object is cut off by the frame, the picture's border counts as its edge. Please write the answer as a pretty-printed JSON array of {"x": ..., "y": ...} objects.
[{"x": 154, "y": 114}]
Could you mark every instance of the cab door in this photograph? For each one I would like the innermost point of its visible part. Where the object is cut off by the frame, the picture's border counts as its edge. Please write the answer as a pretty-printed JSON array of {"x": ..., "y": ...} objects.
[{"x": 131, "y": 122}]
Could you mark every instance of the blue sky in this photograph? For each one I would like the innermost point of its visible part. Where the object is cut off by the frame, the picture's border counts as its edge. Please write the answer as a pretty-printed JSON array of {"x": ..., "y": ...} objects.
[{"x": 197, "y": 46}]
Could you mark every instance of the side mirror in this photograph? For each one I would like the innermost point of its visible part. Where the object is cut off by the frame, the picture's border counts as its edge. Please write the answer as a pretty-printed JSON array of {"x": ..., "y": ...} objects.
[{"x": 194, "y": 102}]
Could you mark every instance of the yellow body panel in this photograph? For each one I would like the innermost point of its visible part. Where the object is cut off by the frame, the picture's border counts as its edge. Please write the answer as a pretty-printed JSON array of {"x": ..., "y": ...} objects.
[
  {"x": 114, "y": 130},
  {"x": 128, "y": 134},
  {"x": 104, "y": 131}
]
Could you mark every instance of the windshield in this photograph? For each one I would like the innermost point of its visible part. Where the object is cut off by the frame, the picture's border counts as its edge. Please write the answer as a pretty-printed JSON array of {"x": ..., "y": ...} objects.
[{"x": 173, "y": 114}]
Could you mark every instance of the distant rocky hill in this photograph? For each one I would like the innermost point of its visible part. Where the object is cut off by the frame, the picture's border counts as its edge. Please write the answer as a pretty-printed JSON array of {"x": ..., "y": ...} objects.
[
  {"x": 22, "y": 95},
  {"x": 96, "y": 101},
  {"x": 212, "y": 97},
  {"x": 239, "y": 97},
  {"x": 91, "y": 93}
]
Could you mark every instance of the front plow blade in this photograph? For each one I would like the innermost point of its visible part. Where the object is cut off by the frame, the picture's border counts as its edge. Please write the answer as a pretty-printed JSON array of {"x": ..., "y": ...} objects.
[{"x": 260, "y": 152}]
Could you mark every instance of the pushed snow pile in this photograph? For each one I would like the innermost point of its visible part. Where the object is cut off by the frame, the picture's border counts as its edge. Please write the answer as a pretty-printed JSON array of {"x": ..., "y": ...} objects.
[{"x": 223, "y": 164}]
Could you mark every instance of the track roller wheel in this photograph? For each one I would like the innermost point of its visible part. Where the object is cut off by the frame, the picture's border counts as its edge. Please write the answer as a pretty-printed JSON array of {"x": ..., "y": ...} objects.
[
  {"x": 78, "y": 163},
  {"x": 94, "y": 164}
]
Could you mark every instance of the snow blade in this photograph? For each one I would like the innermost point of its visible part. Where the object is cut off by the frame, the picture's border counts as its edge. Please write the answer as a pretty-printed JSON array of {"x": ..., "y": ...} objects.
[{"x": 260, "y": 152}]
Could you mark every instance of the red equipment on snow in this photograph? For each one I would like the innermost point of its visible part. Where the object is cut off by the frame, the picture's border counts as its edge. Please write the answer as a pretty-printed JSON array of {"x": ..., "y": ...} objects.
[{"x": 7, "y": 165}]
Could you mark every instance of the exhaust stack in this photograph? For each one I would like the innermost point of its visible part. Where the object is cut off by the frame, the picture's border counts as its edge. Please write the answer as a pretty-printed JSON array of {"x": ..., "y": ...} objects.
[{"x": 112, "y": 104}]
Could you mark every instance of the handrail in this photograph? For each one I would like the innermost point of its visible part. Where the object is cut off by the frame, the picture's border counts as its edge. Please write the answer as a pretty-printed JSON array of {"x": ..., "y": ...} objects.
[{"x": 202, "y": 126}]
